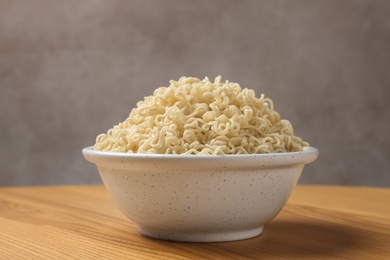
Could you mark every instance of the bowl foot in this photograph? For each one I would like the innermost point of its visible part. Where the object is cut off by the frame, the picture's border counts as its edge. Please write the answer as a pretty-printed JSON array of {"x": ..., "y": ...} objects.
[{"x": 201, "y": 237}]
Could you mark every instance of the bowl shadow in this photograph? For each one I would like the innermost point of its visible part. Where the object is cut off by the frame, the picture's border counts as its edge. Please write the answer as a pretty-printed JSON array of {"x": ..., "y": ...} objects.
[{"x": 300, "y": 239}]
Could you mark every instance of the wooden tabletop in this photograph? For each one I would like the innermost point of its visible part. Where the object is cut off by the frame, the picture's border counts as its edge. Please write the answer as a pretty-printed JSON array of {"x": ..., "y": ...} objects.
[{"x": 82, "y": 222}]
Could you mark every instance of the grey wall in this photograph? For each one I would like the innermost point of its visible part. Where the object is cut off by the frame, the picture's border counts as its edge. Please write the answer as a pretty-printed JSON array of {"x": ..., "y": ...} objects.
[{"x": 69, "y": 70}]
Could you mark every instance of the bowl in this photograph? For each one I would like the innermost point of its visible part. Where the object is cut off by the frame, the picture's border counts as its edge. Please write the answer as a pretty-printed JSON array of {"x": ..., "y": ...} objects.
[{"x": 200, "y": 198}]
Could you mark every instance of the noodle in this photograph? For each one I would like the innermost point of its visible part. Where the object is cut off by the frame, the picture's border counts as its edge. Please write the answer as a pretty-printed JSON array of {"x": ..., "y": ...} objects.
[{"x": 194, "y": 116}]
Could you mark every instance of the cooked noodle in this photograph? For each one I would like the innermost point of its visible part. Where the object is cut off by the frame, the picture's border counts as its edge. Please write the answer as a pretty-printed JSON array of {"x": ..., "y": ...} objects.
[{"x": 194, "y": 116}]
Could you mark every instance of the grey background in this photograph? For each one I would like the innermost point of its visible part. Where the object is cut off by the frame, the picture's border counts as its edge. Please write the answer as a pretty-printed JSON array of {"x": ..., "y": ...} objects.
[{"x": 70, "y": 70}]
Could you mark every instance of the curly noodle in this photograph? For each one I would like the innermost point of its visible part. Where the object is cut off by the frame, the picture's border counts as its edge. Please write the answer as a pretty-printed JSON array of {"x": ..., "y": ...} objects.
[{"x": 194, "y": 116}]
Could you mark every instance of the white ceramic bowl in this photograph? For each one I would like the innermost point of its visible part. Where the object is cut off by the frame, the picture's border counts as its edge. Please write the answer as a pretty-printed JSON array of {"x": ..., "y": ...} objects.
[{"x": 200, "y": 198}]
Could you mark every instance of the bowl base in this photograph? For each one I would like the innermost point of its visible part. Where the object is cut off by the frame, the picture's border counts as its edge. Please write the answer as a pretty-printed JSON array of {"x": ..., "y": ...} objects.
[{"x": 202, "y": 237}]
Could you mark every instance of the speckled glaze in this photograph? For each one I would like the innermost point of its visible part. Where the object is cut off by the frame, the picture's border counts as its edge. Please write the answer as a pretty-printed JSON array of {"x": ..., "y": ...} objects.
[{"x": 200, "y": 198}]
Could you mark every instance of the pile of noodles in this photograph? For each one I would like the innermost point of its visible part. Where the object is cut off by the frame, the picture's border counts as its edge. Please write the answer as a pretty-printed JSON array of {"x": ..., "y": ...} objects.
[{"x": 194, "y": 116}]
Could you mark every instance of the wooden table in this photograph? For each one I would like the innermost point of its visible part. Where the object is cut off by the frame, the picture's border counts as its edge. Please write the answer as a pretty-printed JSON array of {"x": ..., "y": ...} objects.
[{"x": 82, "y": 222}]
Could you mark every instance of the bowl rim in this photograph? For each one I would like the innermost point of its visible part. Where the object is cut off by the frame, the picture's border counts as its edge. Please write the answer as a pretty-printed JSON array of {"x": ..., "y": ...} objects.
[
  {"x": 114, "y": 159},
  {"x": 91, "y": 151}
]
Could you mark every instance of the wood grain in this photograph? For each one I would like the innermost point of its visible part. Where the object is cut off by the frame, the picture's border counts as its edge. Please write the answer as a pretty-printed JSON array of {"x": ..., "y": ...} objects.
[{"x": 82, "y": 222}]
